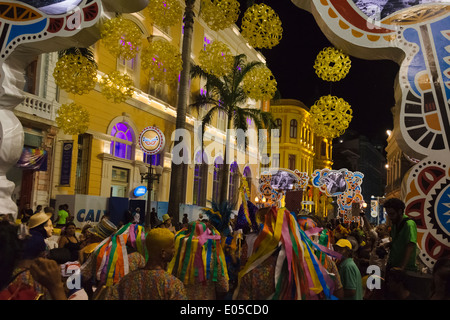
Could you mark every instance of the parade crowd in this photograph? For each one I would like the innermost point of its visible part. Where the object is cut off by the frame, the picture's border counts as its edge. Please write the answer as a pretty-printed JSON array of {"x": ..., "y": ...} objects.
[{"x": 257, "y": 254}]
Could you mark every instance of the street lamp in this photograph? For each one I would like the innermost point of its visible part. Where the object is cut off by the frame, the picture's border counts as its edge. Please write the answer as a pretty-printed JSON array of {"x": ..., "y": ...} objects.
[{"x": 150, "y": 177}]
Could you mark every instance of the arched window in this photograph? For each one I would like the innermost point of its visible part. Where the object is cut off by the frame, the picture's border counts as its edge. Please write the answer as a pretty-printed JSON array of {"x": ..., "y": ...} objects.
[
  {"x": 293, "y": 129},
  {"x": 234, "y": 184},
  {"x": 279, "y": 124},
  {"x": 154, "y": 160},
  {"x": 122, "y": 144},
  {"x": 218, "y": 165},
  {"x": 248, "y": 176},
  {"x": 200, "y": 179}
]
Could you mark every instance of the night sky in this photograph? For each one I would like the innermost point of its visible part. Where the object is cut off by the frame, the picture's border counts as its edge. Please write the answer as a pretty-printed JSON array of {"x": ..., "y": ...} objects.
[{"x": 368, "y": 88}]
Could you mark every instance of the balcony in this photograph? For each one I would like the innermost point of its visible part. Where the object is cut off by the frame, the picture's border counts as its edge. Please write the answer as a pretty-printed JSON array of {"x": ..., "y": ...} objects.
[{"x": 38, "y": 106}]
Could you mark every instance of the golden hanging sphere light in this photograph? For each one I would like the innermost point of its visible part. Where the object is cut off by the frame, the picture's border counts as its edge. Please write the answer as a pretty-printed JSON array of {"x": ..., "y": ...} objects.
[
  {"x": 122, "y": 37},
  {"x": 332, "y": 64},
  {"x": 75, "y": 73},
  {"x": 261, "y": 26},
  {"x": 165, "y": 13},
  {"x": 330, "y": 116},
  {"x": 162, "y": 61},
  {"x": 216, "y": 58},
  {"x": 259, "y": 83},
  {"x": 116, "y": 86},
  {"x": 219, "y": 14},
  {"x": 72, "y": 119}
]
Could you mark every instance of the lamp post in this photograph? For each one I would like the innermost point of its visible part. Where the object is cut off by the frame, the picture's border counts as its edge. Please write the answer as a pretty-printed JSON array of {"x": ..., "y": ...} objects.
[{"x": 150, "y": 177}]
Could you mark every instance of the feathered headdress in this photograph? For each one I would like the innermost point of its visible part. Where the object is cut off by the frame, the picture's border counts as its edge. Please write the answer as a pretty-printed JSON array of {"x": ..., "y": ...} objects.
[{"x": 219, "y": 215}]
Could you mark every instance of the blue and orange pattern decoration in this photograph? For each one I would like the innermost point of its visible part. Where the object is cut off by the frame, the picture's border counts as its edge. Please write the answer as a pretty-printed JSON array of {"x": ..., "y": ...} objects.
[
  {"x": 416, "y": 35},
  {"x": 31, "y": 21}
]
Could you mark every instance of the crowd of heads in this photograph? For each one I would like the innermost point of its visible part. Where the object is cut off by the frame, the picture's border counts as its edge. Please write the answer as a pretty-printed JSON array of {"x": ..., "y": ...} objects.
[{"x": 164, "y": 241}]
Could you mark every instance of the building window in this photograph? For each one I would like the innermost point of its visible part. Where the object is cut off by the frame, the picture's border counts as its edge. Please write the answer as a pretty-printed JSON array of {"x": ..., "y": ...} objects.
[
  {"x": 323, "y": 149},
  {"x": 206, "y": 41},
  {"x": 119, "y": 182},
  {"x": 275, "y": 160},
  {"x": 293, "y": 129},
  {"x": 278, "y": 123},
  {"x": 292, "y": 160},
  {"x": 248, "y": 176},
  {"x": 234, "y": 184},
  {"x": 158, "y": 90},
  {"x": 200, "y": 179},
  {"x": 129, "y": 67},
  {"x": 122, "y": 144},
  {"x": 218, "y": 165},
  {"x": 154, "y": 160},
  {"x": 221, "y": 120}
]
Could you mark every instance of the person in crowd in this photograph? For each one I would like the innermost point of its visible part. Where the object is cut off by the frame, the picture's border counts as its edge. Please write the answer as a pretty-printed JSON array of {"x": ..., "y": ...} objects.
[
  {"x": 348, "y": 271},
  {"x": 26, "y": 213},
  {"x": 45, "y": 272},
  {"x": 154, "y": 218},
  {"x": 397, "y": 286},
  {"x": 440, "y": 288},
  {"x": 185, "y": 220},
  {"x": 40, "y": 227},
  {"x": 94, "y": 236},
  {"x": 137, "y": 215},
  {"x": 152, "y": 282},
  {"x": 402, "y": 248},
  {"x": 211, "y": 280},
  {"x": 167, "y": 223},
  {"x": 70, "y": 241},
  {"x": 38, "y": 209},
  {"x": 99, "y": 272},
  {"x": 62, "y": 216}
]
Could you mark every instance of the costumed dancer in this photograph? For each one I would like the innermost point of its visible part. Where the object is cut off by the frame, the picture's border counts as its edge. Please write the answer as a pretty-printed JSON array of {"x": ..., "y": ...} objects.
[
  {"x": 282, "y": 264},
  {"x": 231, "y": 240},
  {"x": 321, "y": 244},
  {"x": 199, "y": 262},
  {"x": 114, "y": 257}
]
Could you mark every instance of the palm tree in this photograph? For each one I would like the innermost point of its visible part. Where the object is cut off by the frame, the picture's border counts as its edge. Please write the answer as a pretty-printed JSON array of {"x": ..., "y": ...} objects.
[
  {"x": 227, "y": 95},
  {"x": 177, "y": 175}
]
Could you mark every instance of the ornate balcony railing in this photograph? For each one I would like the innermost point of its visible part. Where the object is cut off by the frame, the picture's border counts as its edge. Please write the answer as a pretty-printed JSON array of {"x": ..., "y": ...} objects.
[{"x": 38, "y": 106}]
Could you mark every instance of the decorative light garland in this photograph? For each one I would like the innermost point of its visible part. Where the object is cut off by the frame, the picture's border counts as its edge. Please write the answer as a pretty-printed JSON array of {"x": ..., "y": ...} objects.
[
  {"x": 165, "y": 13},
  {"x": 75, "y": 73},
  {"x": 121, "y": 37},
  {"x": 219, "y": 14},
  {"x": 332, "y": 64},
  {"x": 72, "y": 119},
  {"x": 216, "y": 59},
  {"x": 162, "y": 61},
  {"x": 116, "y": 86},
  {"x": 330, "y": 116},
  {"x": 259, "y": 83},
  {"x": 261, "y": 26}
]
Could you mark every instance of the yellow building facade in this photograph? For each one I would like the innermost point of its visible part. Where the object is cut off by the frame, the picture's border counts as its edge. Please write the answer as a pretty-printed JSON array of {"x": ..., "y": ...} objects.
[
  {"x": 301, "y": 149},
  {"x": 106, "y": 161}
]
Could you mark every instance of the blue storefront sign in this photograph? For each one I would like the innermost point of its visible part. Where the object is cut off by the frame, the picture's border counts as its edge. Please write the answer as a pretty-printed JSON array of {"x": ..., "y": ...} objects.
[{"x": 140, "y": 191}]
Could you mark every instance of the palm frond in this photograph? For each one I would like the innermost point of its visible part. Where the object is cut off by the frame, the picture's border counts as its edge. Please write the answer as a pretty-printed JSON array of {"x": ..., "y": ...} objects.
[{"x": 85, "y": 52}]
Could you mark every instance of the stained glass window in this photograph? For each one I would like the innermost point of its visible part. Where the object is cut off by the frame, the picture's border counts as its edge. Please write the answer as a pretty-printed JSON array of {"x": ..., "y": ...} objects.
[{"x": 123, "y": 140}]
